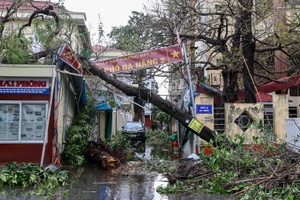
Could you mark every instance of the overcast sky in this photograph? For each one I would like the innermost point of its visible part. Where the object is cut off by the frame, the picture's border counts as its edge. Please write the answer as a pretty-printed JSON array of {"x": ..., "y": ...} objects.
[{"x": 112, "y": 12}]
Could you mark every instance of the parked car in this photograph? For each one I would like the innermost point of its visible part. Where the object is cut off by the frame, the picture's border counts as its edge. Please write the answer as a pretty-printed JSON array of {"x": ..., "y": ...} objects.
[{"x": 135, "y": 131}]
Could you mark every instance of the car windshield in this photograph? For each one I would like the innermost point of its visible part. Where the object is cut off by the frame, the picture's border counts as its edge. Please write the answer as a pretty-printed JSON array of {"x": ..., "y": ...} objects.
[{"x": 134, "y": 125}]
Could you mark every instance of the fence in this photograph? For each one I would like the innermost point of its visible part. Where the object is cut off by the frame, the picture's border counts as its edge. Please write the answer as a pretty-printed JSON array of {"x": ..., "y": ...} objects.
[{"x": 219, "y": 117}]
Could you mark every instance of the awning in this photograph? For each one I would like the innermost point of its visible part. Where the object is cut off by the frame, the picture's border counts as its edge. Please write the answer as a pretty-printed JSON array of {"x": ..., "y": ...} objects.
[
  {"x": 264, "y": 98},
  {"x": 103, "y": 106},
  {"x": 103, "y": 102},
  {"x": 274, "y": 86},
  {"x": 207, "y": 89}
]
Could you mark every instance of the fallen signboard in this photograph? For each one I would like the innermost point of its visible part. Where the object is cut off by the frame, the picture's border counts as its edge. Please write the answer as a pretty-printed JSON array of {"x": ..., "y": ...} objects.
[{"x": 66, "y": 54}]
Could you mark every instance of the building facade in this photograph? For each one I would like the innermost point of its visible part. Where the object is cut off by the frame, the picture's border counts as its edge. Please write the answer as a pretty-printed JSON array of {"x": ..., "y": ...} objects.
[{"x": 37, "y": 101}]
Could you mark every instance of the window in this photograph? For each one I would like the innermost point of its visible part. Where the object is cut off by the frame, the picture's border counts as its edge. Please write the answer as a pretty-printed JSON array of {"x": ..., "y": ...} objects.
[
  {"x": 22, "y": 122},
  {"x": 133, "y": 125},
  {"x": 215, "y": 79},
  {"x": 295, "y": 91},
  {"x": 126, "y": 107}
]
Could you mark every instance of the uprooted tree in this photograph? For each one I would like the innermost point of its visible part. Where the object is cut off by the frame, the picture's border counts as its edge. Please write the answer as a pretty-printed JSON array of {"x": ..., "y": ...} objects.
[
  {"x": 227, "y": 34},
  {"x": 274, "y": 172},
  {"x": 146, "y": 94},
  {"x": 49, "y": 47}
]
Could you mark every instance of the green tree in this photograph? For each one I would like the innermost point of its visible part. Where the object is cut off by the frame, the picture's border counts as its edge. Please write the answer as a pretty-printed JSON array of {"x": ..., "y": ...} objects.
[
  {"x": 49, "y": 27},
  {"x": 160, "y": 116},
  {"x": 248, "y": 41},
  {"x": 131, "y": 37},
  {"x": 141, "y": 92}
]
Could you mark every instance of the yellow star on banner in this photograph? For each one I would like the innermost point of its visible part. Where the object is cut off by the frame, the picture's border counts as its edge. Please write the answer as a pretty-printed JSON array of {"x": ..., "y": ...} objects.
[{"x": 175, "y": 54}]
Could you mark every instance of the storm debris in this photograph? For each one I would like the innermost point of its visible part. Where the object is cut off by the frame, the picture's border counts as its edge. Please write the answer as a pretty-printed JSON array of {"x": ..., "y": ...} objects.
[
  {"x": 242, "y": 171},
  {"x": 107, "y": 158}
]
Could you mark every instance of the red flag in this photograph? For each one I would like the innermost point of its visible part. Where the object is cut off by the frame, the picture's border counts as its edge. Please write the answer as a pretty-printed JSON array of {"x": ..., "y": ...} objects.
[
  {"x": 68, "y": 57},
  {"x": 141, "y": 60}
]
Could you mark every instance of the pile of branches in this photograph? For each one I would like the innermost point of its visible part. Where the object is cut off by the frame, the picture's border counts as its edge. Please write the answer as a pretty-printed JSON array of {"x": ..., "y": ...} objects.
[
  {"x": 107, "y": 158},
  {"x": 267, "y": 171}
]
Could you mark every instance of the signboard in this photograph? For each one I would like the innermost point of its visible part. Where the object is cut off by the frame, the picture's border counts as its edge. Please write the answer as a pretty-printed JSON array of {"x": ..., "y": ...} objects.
[
  {"x": 204, "y": 109},
  {"x": 196, "y": 126},
  {"x": 68, "y": 57},
  {"x": 141, "y": 60},
  {"x": 24, "y": 86}
]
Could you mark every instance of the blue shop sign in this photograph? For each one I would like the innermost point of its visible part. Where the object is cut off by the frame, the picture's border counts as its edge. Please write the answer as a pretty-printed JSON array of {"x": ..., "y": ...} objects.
[
  {"x": 24, "y": 86},
  {"x": 204, "y": 109}
]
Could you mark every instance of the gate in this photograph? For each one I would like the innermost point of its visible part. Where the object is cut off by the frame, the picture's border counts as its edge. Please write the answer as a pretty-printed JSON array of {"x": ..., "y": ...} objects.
[
  {"x": 219, "y": 119},
  {"x": 293, "y": 112}
]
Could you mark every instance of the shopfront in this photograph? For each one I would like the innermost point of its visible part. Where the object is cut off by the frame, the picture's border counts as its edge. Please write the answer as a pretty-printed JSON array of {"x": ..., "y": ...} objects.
[{"x": 24, "y": 105}]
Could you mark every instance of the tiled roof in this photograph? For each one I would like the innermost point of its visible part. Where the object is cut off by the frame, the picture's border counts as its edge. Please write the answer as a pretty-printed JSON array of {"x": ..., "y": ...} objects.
[
  {"x": 263, "y": 97},
  {"x": 4, "y": 4},
  {"x": 275, "y": 86}
]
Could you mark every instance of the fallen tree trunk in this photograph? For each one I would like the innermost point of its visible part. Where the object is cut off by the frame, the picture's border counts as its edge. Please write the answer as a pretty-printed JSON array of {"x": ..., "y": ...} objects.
[
  {"x": 107, "y": 158},
  {"x": 183, "y": 117}
]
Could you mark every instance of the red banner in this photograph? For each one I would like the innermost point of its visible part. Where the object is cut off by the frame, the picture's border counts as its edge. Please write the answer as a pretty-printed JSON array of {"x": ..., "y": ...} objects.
[
  {"x": 141, "y": 60},
  {"x": 68, "y": 57}
]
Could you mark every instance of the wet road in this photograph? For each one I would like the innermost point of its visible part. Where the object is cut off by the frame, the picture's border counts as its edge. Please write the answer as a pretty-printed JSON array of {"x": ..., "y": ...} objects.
[
  {"x": 93, "y": 183},
  {"x": 96, "y": 184}
]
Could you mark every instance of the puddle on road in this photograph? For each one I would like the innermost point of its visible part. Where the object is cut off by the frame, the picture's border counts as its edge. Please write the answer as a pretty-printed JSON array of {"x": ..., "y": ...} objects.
[
  {"x": 93, "y": 183},
  {"x": 156, "y": 152}
]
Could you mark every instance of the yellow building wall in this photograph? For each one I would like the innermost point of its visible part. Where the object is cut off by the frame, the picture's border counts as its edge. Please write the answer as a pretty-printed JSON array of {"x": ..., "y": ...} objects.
[
  {"x": 66, "y": 111},
  {"x": 233, "y": 111},
  {"x": 114, "y": 122},
  {"x": 22, "y": 16},
  {"x": 102, "y": 124},
  {"x": 41, "y": 71},
  {"x": 280, "y": 112}
]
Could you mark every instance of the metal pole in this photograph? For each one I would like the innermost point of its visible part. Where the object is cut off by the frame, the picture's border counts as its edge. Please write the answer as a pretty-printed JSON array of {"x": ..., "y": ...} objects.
[
  {"x": 48, "y": 119},
  {"x": 116, "y": 113},
  {"x": 191, "y": 91},
  {"x": 55, "y": 131},
  {"x": 66, "y": 112}
]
